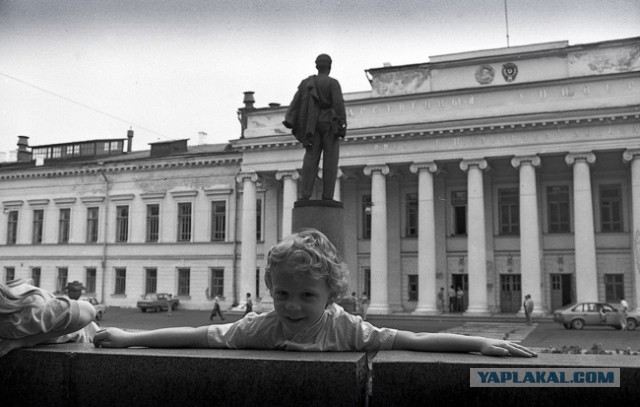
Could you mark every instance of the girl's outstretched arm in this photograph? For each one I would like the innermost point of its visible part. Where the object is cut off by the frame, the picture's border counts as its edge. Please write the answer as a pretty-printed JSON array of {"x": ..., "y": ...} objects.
[
  {"x": 184, "y": 337},
  {"x": 442, "y": 342},
  {"x": 86, "y": 316}
]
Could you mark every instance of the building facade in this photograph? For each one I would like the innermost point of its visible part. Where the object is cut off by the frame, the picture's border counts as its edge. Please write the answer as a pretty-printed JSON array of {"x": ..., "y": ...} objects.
[{"x": 503, "y": 172}]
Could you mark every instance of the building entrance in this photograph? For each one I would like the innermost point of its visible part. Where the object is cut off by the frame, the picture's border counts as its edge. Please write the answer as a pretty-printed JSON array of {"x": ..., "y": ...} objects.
[
  {"x": 561, "y": 290},
  {"x": 510, "y": 293},
  {"x": 461, "y": 280}
]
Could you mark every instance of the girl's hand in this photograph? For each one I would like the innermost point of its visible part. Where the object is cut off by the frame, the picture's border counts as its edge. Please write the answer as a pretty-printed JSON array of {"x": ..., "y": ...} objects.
[
  {"x": 111, "y": 338},
  {"x": 7, "y": 345},
  {"x": 496, "y": 347}
]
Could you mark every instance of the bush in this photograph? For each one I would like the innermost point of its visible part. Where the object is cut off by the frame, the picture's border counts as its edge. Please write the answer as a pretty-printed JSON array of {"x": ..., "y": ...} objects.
[{"x": 596, "y": 349}]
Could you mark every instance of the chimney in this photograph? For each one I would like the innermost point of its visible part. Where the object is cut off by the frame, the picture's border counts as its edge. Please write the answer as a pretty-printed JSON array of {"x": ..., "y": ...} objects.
[
  {"x": 130, "y": 137},
  {"x": 248, "y": 100},
  {"x": 202, "y": 137},
  {"x": 242, "y": 112},
  {"x": 274, "y": 105},
  {"x": 23, "y": 149}
]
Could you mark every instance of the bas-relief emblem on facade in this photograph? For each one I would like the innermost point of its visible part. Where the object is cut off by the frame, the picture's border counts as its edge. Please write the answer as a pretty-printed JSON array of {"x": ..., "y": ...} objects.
[
  {"x": 485, "y": 74},
  {"x": 400, "y": 82},
  {"x": 509, "y": 71}
]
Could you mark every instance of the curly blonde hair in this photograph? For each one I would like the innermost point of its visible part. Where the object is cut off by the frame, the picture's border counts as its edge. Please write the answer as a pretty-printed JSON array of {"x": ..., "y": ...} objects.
[{"x": 311, "y": 253}]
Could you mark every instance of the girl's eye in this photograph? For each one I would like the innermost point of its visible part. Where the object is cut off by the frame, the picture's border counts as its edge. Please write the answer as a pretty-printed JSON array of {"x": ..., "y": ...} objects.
[{"x": 308, "y": 295}]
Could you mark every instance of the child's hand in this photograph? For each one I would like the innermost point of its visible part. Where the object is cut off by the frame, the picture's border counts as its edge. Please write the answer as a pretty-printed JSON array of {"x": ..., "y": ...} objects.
[
  {"x": 7, "y": 345},
  {"x": 111, "y": 338},
  {"x": 496, "y": 347}
]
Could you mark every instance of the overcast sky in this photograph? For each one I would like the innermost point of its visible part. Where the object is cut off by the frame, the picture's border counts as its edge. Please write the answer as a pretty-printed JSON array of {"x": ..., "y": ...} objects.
[{"x": 78, "y": 70}]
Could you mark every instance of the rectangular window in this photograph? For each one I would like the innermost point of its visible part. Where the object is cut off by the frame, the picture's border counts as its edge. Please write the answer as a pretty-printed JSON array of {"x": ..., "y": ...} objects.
[
  {"x": 64, "y": 225},
  {"x": 413, "y": 287},
  {"x": 9, "y": 274},
  {"x": 153, "y": 223},
  {"x": 611, "y": 208},
  {"x": 12, "y": 227},
  {"x": 92, "y": 224},
  {"x": 366, "y": 216},
  {"x": 122, "y": 223},
  {"x": 35, "y": 276},
  {"x": 61, "y": 281},
  {"x": 217, "y": 282},
  {"x": 459, "y": 211},
  {"x": 38, "y": 226},
  {"x": 184, "y": 222},
  {"x": 412, "y": 215},
  {"x": 558, "y": 209},
  {"x": 613, "y": 287},
  {"x": 121, "y": 281},
  {"x": 509, "y": 211},
  {"x": 90, "y": 278},
  {"x": 184, "y": 279},
  {"x": 218, "y": 220},
  {"x": 151, "y": 280},
  {"x": 259, "y": 220}
]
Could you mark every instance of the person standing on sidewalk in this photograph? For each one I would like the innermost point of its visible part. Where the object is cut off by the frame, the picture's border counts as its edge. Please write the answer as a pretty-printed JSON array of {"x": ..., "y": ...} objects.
[
  {"x": 452, "y": 300},
  {"x": 460, "y": 299},
  {"x": 364, "y": 301},
  {"x": 249, "y": 305},
  {"x": 528, "y": 308},
  {"x": 441, "y": 300}
]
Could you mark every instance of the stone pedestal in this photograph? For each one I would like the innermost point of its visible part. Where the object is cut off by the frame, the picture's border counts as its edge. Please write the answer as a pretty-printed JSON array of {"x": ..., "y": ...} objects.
[{"x": 323, "y": 215}]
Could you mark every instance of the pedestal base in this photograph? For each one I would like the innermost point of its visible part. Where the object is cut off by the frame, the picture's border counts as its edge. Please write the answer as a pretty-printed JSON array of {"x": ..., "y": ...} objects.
[{"x": 323, "y": 215}]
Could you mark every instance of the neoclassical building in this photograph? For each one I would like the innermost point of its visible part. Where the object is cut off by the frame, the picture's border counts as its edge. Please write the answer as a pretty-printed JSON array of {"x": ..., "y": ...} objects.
[{"x": 503, "y": 172}]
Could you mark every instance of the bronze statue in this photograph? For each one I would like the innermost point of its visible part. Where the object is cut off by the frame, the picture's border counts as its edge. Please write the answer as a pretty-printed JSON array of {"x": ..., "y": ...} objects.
[{"x": 318, "y": 120}]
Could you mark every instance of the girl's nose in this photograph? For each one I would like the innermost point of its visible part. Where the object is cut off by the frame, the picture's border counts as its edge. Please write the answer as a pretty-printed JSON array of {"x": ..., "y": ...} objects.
[{"x": 292, "y": 306}]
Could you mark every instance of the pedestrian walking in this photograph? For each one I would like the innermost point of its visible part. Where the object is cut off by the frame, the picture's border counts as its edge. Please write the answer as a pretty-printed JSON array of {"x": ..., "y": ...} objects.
[
  {"x": 624, "y": 306},
  {"x": 216, "y": 309},
  {"x": 249, "y": 305}
]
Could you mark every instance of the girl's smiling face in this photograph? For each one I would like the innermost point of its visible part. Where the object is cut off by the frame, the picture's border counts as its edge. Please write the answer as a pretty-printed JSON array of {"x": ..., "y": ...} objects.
[{"x": 299, "y": 300}]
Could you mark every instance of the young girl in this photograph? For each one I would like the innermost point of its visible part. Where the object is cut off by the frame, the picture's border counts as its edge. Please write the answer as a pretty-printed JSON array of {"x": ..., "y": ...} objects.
[
  {"x": 305, "y": 279},
  {"x": 30, "y": 315}
]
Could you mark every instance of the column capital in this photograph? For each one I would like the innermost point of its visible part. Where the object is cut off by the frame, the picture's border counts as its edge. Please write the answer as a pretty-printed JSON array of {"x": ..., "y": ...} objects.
[
  {"x": 250, "y": 175},
  {"x": 518, "y": 160},
  {"x": 293, "y": 174},
  {"x": 587, "y": 156},
  {"x": 370, "y": 169},
  {"x": 481, "y": 163},
  {"x": 631, "y": 154},
  {"x": 426, "y": 165}
]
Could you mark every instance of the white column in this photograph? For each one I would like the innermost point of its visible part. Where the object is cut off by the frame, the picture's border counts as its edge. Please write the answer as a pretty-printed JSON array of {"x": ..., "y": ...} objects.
[
  {"x": 584, "y": 235},
  {"x": 633, "y": 157},
  {"x": 476, "y": 239},
  {"x": 530, "y": 258},
  {"x": 379, "y": 301},
  {"x": 247, "y": 281},
  {"x": 427, "y": 291},
  {"x": 289, "y": 197}
]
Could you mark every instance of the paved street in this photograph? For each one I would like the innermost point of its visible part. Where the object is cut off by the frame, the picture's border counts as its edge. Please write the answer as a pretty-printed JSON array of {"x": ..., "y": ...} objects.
[{"x": 540, "y": 335}]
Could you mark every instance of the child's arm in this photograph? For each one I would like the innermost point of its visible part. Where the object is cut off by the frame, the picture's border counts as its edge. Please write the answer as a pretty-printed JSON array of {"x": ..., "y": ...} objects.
[
  {"x": 87, "y": 314},
  {"x": 185, "y": 337},
  {"x": 442, "y": 342}
]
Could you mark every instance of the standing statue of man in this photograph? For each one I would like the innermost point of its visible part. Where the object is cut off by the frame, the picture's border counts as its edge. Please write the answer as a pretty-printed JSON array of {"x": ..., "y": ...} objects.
[{"x": 317, "y": 119}]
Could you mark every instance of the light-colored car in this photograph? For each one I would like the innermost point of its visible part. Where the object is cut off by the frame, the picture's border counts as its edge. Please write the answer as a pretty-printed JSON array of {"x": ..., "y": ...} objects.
[
  {"x": 157, "y": 302},
  {"x": 100, "y": 308},
  {"x": 576, "y": 316}
]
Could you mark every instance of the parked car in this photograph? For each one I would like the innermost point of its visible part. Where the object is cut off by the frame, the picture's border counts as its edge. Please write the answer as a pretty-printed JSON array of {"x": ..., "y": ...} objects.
[
  {"x": 576, "y": 316},
  {"x": 100, "y": 308},
  {"x": 158, "y": 302}
]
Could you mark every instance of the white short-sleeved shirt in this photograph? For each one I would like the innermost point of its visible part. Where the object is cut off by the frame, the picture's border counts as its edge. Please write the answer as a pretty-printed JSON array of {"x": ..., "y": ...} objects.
[
  {"x": 48, "y": 313},
  {"x": 337, "y": 330}
]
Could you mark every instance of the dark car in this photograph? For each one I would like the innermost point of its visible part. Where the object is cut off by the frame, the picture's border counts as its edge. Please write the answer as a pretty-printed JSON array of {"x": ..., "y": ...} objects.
[
  {"x": 576, "y": 316},
  {"x": 157, "y": 302}
]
